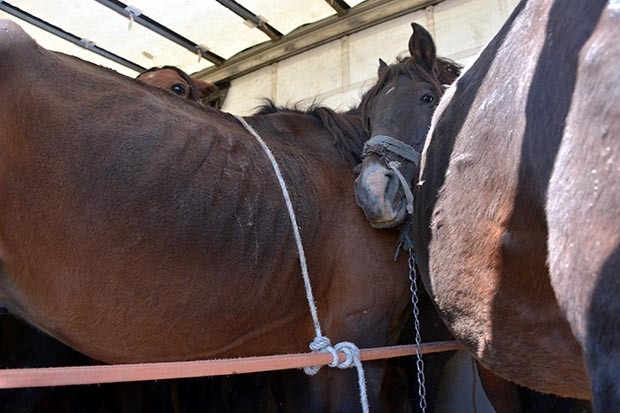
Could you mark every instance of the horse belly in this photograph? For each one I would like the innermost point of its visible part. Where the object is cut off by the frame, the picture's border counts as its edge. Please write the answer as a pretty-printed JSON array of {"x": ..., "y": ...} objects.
[{"x": 487, "y": 268}]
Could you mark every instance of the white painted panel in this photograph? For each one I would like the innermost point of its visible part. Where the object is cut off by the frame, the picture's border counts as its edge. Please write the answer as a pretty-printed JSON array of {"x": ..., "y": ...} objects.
[
  {"x": 386, "y": 41},
  {"x": 343, "y": 101},
  {"x": 464, "y": 27},
  {"x": 248, "y": 92},
  {"x": 311, "y": 74},
  {"x": 508, "y": 6}
]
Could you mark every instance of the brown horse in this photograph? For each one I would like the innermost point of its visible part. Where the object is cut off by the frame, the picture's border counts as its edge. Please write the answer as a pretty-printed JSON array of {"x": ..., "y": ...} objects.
[
  {"x": 517, "y": 210},
  {"x": 158, "y": 231},
  {"x": 24, "y": 346},
  {"x": 175, "y": 80}
]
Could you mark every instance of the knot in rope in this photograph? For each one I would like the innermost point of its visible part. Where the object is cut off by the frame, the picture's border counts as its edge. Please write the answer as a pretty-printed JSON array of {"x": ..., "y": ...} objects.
[
  {"x": 352, "y": 353},
  {"x": 322, "y": 344}
]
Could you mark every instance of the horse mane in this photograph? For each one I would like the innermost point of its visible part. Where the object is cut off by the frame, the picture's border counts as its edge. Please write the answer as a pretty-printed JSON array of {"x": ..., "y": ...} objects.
[
  {"x": 345, "y": 128},
  {"x": 447, "y": 70},
  {"x": 444, "y": 70},
  {"x": 193, "y": 90}
]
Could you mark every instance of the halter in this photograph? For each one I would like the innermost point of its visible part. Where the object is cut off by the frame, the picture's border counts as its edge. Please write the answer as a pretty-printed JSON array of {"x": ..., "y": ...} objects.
[{"x": 379, "y": 145}]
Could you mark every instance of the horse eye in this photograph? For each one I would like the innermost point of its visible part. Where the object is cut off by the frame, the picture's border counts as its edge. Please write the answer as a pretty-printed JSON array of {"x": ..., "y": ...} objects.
[
  {"x": 179, "y": 89},
  {"x": 427, "y": 98}
]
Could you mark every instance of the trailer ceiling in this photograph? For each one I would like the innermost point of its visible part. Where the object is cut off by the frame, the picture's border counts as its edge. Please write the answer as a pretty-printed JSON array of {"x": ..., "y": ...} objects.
[{"x": 213, "y": 39}]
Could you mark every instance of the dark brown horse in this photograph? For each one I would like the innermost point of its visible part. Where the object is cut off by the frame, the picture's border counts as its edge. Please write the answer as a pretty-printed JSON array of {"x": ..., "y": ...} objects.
[
  {"x": 175, "y": 80},
  {"x": 397, "y": 81},
  {"x": 135, "y": 227},
  {"x": 517, "y": 210},
  {"x": 409, "y": 121},
  {"x": 24, "y": 346}
]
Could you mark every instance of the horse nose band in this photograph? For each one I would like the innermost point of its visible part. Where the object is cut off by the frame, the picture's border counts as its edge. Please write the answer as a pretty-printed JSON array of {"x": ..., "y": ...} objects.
[{"x": 379, "y": 145}]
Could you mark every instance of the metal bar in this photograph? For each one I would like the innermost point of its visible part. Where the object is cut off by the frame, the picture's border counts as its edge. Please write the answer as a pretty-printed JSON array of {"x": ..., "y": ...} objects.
[
  {"x": 57, "y": 31},
  {"x": 64, "y": 376},
  {"x": 162, "y": 30},
  {"x": 340, "y": 6},
  {"x": 245, "y": 14},
  {"x": 360, "y": 17}
]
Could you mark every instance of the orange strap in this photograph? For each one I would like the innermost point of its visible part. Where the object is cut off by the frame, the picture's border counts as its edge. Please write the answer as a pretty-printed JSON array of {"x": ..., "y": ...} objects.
[{"x": 63, "y": 376}]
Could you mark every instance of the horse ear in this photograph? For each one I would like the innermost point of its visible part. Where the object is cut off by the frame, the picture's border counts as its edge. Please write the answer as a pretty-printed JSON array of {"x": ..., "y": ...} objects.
[
  {"x": 203, "y": 87},
  {"x": 422, "y": 46},
  {"x": 383, "y": 67}
]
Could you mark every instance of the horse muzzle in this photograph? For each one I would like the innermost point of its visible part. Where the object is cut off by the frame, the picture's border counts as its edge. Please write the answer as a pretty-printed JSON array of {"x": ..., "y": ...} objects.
[{"x": 378, "y": 193}]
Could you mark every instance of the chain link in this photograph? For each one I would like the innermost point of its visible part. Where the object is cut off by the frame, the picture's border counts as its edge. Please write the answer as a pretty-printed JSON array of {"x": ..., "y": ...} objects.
[{"x": 413, "y": 287}]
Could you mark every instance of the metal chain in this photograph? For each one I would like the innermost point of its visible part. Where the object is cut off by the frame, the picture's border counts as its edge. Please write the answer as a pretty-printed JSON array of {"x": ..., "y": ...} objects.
[{"x": 413, "y": 287}]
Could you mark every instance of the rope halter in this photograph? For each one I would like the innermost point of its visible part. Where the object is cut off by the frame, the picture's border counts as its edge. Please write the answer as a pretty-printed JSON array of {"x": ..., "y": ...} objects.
[{"x": 379, "y": 145}]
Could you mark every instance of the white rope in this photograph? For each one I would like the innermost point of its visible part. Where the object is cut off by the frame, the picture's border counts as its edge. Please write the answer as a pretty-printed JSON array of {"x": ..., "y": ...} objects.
[
  {"x": 291, "y": 213},
  {"x": 320, "y": 343}
]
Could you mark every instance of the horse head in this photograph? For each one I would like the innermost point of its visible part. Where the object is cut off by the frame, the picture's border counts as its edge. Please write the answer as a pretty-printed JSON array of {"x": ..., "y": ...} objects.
[
  {"x": 397, "y": 113},
  {"x": 178, "y": 82}
]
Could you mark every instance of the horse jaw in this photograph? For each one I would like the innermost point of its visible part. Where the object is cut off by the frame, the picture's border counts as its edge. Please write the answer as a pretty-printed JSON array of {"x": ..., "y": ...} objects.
[{"x": 377, "y": 194}]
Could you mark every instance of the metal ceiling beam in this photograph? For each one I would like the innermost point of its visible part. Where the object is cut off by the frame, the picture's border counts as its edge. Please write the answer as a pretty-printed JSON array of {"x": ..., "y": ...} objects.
[
  {"x": 360, "y": 17},
  {"x": 57, "y": 31},
  {"x": 142, "y": 19},
  {"x": 340, "y": 6},
  {"x": 255, "y": 20}
]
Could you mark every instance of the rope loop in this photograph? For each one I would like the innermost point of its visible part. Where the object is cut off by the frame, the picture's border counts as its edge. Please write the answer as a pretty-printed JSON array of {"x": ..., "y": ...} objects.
[
  {"x": 322, "y": 344},
  {"x": 351, "y": 351},
  {"x": 352, "y": 359}
]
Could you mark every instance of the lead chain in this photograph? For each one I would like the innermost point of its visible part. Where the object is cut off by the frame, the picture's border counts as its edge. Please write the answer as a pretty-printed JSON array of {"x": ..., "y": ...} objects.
[{"x": 413, "y": 287}]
